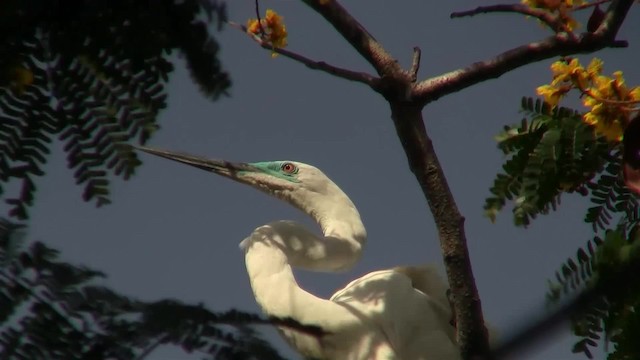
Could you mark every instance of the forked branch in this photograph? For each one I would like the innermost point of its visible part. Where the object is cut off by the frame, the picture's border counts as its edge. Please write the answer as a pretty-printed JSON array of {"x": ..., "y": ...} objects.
[
  {"x": 557, "y": 45},
  {"x": 351, "y": 30}
]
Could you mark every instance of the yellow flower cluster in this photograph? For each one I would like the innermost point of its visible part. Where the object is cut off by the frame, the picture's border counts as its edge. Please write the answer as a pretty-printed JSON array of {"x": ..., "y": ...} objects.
[
  {"x": 610, "y": 102},
  {"x": 270, "y": 29},
  {"x": 560, "y": 7}
]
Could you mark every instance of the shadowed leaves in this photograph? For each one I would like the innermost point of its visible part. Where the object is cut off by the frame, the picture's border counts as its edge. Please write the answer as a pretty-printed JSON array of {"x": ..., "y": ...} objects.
[
  {"x": 93, "y": 74},
  {"x": 50, "y": 309}
]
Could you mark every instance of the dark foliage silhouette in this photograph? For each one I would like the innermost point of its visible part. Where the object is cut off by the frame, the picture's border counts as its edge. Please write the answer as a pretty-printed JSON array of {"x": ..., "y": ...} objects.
[
  {"x": 50, "y": 309},
  {"x": 92, "y": 73}
]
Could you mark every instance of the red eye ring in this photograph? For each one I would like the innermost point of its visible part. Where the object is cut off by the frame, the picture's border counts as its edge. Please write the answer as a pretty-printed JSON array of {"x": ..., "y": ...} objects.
[{"x": 289, "y": 168}]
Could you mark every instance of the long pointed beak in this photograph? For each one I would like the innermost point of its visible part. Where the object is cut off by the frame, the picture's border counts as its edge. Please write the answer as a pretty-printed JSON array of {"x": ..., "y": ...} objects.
[{"x": 220, "y": 167}]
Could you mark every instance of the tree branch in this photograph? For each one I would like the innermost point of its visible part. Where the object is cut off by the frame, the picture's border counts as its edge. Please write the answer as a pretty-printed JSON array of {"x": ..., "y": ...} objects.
[
  {"x": 560, "y": 44},
  {"x": 614, "y": 17},
  {"x": 423, "y": 161},
  {"x": 363, "y": 42},
  {"x": 362, "y": 77},
  {"x": 540, "y": 14},
  {"x": 590, "y": 4}
]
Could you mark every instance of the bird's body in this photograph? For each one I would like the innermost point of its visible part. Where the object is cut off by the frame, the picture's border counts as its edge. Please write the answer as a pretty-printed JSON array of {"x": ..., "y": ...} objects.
[{"x": 399, "y": 313}]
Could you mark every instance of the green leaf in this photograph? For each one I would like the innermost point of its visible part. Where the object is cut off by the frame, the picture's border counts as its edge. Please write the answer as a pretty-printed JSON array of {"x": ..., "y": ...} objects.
[{"x": 550, "y": 152}]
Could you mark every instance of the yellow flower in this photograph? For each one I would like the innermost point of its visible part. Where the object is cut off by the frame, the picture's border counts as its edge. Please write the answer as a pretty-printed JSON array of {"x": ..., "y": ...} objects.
[
  {"x": 612, "y": 131},
  {"x": 278, "y": 32},
  {"x": 606, "y": 121},
  {"x": 595, "y": 67},
  {"x": 552, "y": 94},
  {"x": 589, "y": 102},
  {"x": 610, "y": 103},
  {"x": 602, "y": 87},
  {"x": 563, "y": 9},
  {"x": 253, "y": 26},
  {"x": 570, "y": 23},
  {"x": 275, "y": 32},
  {"x": 566, "y": 72}
]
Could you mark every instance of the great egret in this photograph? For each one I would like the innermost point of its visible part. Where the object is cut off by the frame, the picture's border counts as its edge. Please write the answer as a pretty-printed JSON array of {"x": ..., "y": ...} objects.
[{"x": 401, "y": 313}]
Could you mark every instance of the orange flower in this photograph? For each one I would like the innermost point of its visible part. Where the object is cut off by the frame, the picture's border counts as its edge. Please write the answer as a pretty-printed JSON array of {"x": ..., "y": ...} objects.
[
  {"x": 271, "y": 29},
  {"x": 611, "y": 104}
]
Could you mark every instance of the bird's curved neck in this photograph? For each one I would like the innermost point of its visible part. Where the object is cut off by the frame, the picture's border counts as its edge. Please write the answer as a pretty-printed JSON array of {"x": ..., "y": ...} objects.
[
  {"x": 343, "y": 232},
  {"x": 339, "y": 247},
  {"x": 273, "y": 249}
]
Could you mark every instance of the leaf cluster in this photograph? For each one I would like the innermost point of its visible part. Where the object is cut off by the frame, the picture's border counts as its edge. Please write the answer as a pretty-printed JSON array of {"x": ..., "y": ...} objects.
[
  {"x": 93, "y": 74},
  {"x": 551, "y": 151},
  {"x": 50, "y": 309},
  {"x": 608, "y": 269}
]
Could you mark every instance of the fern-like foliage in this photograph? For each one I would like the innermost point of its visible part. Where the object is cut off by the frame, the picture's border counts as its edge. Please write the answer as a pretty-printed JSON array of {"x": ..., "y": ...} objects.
[
  {"x": 49, "y": 309},
  {"x": 608, "y": 267},
  {"x": 93, "y": 74},
  {"x": 550, "y": 152},
  {"x": 611, "y": 198}
]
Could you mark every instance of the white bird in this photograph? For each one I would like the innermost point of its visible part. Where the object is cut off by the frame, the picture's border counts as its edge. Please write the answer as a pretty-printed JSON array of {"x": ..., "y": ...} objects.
[{"x": 401, "y": 313}]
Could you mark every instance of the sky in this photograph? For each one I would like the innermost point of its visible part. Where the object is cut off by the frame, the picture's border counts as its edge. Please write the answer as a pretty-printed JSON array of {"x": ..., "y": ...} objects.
[{"x": 173, "y": 231}]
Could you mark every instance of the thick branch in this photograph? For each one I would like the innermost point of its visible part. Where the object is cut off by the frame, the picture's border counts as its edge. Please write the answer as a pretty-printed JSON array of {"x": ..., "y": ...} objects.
[
  {"x": 350, "y": 29},
  {"x": 560, "y": 44},
  {"x": 472, "y": 335}
]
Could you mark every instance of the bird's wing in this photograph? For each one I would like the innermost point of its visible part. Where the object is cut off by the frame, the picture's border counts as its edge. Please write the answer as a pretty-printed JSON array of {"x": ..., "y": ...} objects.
[
  {"x": 427, "y": 279},
  {"x": 415, "y": 324}
]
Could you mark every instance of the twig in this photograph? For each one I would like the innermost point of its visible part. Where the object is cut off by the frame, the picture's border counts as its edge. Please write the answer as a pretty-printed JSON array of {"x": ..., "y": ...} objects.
[
  {"x": 546, "y": 17},
  {"x": 262, "y": 32},
  {"x": 415, "y": 64},
  {"x": 590, "y": 4},
  {"x": 361, "y": 77}
]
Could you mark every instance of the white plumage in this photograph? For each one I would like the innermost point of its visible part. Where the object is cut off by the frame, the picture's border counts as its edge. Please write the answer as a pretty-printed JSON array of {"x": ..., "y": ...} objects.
[{"x": 399, "y": 313}]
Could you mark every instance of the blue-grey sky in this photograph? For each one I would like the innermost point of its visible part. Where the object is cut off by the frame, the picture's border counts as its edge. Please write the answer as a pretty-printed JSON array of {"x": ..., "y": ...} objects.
[{"x": 173, "y": 231}]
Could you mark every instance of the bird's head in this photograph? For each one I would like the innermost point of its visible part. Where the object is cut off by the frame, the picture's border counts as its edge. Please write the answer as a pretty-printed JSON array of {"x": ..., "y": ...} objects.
[{"x": 292, "y": 181}]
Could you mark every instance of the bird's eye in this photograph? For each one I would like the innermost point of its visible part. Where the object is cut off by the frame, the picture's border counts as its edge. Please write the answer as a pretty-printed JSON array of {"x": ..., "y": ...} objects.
[{"x": 289, "y": 168}]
